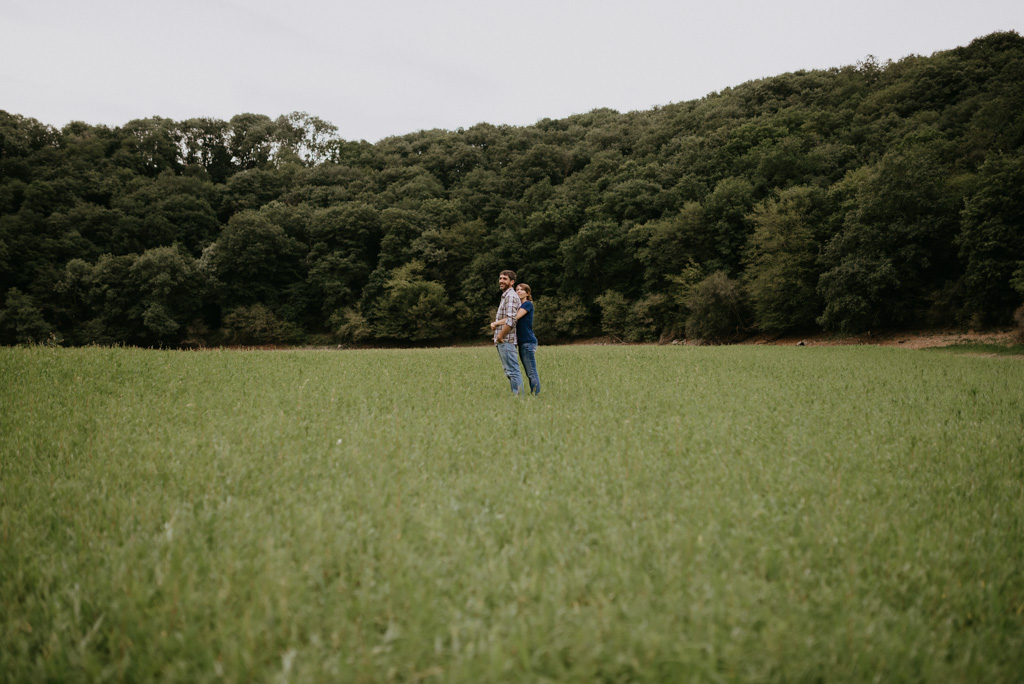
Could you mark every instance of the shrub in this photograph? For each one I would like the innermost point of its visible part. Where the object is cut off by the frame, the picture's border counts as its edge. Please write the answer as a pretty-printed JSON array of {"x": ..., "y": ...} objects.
[
  {"x": 350, "y": 326},
  {"x": 652, "y": 318},
  {"x": 716, "y": 310},
  {"x": 781, "y": 275},
  {"x": 644, "y": 320},
  {"x": 21, "y": 321},
  {"x": 560, "y": 318},
  {"x": 614, "y": 313},
  {"x": 257, "y": 324},
  {"x": 196, "y": 334},
  {"x": 412, "y": 308}
]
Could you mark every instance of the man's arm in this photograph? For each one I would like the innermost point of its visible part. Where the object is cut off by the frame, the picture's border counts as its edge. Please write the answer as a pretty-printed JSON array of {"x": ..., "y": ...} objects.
[
  {"x": 508, "y": 320},
  {"x": 507, "y": 324},
  {"x": 510, "y": 310}
]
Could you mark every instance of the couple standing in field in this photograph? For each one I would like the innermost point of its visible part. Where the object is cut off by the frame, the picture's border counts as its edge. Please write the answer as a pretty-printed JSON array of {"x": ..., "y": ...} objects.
[{"x": 512, "y": 326}]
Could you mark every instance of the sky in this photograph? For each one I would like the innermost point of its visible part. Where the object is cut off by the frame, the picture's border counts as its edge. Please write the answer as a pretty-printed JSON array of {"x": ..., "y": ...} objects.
[{"x": 390, "y": 67}]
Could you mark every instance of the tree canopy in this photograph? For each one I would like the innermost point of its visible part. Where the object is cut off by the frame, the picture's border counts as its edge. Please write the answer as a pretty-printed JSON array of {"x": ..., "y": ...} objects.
[{"x": 851, "y": 198}]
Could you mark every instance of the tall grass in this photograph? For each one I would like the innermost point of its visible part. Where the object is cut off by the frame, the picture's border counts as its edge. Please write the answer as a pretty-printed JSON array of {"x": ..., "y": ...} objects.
[{"x": 736, "y": 514}]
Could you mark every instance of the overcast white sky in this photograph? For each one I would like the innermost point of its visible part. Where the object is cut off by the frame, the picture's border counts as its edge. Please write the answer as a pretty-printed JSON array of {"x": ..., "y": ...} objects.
[{"x": 376, "y": 68}]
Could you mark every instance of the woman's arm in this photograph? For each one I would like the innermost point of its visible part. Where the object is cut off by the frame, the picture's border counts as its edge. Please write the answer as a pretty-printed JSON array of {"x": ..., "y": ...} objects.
[{"x": 519, "y": 314}]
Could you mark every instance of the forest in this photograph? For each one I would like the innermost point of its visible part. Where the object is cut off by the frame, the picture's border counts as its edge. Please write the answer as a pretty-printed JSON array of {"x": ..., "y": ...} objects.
[{"x": 871, "y": 196}]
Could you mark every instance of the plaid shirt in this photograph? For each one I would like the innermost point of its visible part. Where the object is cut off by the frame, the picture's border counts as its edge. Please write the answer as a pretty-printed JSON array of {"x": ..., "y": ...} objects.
[{"x": 507, "y": 310}]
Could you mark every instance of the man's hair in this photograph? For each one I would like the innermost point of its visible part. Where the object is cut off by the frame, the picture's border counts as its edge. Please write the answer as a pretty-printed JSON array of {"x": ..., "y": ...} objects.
[{"x": 511, "y": 275}]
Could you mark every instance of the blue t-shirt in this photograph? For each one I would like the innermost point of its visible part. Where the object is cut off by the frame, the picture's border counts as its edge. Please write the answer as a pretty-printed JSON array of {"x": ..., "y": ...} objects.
[{"x": 524, "y": 326}]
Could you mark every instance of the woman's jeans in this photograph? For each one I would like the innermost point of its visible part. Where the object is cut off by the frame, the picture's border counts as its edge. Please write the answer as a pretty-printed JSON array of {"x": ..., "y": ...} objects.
[
  {"x": 527, "y": 354},
  {"x": 507, "y": 352}
]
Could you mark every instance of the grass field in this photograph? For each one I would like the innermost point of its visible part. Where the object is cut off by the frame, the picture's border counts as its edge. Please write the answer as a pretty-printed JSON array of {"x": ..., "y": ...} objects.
[{"x": 658, "y": 514}]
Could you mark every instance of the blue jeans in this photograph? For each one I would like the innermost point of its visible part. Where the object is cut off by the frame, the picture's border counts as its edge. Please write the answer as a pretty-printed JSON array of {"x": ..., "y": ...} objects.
[
  {"x": 527, "y": 351},
  {"x": 507, "y": 352}
]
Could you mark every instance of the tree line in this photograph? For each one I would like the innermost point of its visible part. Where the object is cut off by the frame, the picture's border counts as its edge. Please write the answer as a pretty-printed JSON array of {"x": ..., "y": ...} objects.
[{"x": 878, "y": 195}]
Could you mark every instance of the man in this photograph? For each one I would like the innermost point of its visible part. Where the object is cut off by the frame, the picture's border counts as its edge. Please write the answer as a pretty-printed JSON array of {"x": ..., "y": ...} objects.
[{"x": 504, "y": 327}]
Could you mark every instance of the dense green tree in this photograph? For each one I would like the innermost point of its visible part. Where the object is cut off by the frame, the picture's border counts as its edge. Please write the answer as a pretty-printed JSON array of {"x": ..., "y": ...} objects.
[
  {"x": 103, "y": 305},
  {"x": 307, "y": 136},
  {"x": 991, "y": 239},
  {"x": 408, "y": 187},
  {"x": 643, "y": 320},
  {"x": 543, "y": 231},
  {"x": 12, "y": 194},
  {"x": 45, "y": 197},
  {"x": 148, "y": 146},
  {"x": 781, "y": 265},
  {"x": 542, "y": 162},
  {"x": 343, "y": 244},
  {"x": 562, "y": 317},
  {"x": 724, "y": 217},
  {"x": 35, "y": 250},
  {"x": 634, "y": 199},
  {"x": 96, "y": 230},
  {"x": 254, "y": 188},
  {"x": 253, "y": 261},
  {"x": 166, "y": 210},
  {"x": 442, "y": 246},
  {"x": 258, "y": 324},
  {"x": 252, "y": 140},
  {"x": 717, "y": 310},
  {"x": 169, "y": 287},
  {"x": 895, "y": 248},
  {"x": 597, "y": 258},
  {"x": 21, "y": 139},
  {"x": 481, "y": 194},
  {"x": 21, "y": 321},
  {"x": 328, "y": 185},
  {"x": 412, "y": 308},
  {"x": 452, "y": 160},
  {"x": 399, "y": 229},
  {"x": 667, "y": 245},
  {"x": 614, "y": 314},
  {"x": 204, "y": 143}
]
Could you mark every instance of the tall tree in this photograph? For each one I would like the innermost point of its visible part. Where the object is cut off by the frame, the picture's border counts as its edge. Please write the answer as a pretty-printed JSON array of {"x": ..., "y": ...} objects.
[
  {"x": 148, "y": 146},
  {"x": 895, "y": 246},
  {"x": 204, "y": 142},
  {"x": 781, "y": 265},
  {"x": 991, "y": 239},
  {"x": 252, "y": 140},
  {"x": 254, "y": 261}
]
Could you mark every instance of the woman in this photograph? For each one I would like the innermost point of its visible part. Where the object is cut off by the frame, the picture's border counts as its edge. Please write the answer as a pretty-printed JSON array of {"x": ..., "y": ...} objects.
[{"x": 527, "y": 340}]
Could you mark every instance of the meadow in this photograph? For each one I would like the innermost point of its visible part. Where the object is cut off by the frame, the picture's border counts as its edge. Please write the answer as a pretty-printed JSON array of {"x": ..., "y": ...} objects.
[{"x": 657, "y": 514}]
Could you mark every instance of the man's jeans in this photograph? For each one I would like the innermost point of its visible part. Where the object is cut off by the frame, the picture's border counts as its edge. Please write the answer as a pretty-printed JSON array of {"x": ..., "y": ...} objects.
[
  {"x": 527, "y": 352},
  {"x": 507, "y": 352}
]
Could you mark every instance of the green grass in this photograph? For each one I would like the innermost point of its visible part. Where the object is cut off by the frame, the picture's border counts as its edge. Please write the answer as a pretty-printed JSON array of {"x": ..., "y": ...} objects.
[{"x": 658, "y": 514}]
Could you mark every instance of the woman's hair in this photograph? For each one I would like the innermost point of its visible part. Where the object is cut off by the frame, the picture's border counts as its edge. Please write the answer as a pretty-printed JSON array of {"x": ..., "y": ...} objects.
[{"x": 529, "y": 296}]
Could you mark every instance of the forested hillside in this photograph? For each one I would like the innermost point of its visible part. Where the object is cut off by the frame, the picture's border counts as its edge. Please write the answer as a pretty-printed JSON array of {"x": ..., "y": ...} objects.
[{"x": 868, "y": 196}]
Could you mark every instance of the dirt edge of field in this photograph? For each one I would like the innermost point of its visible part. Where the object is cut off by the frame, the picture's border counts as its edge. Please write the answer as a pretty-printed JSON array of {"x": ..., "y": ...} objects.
[
  {"x": 906, "y": 339},
  {"x": 912, "y": 339},
  {"x": 917, "y": 339}
]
